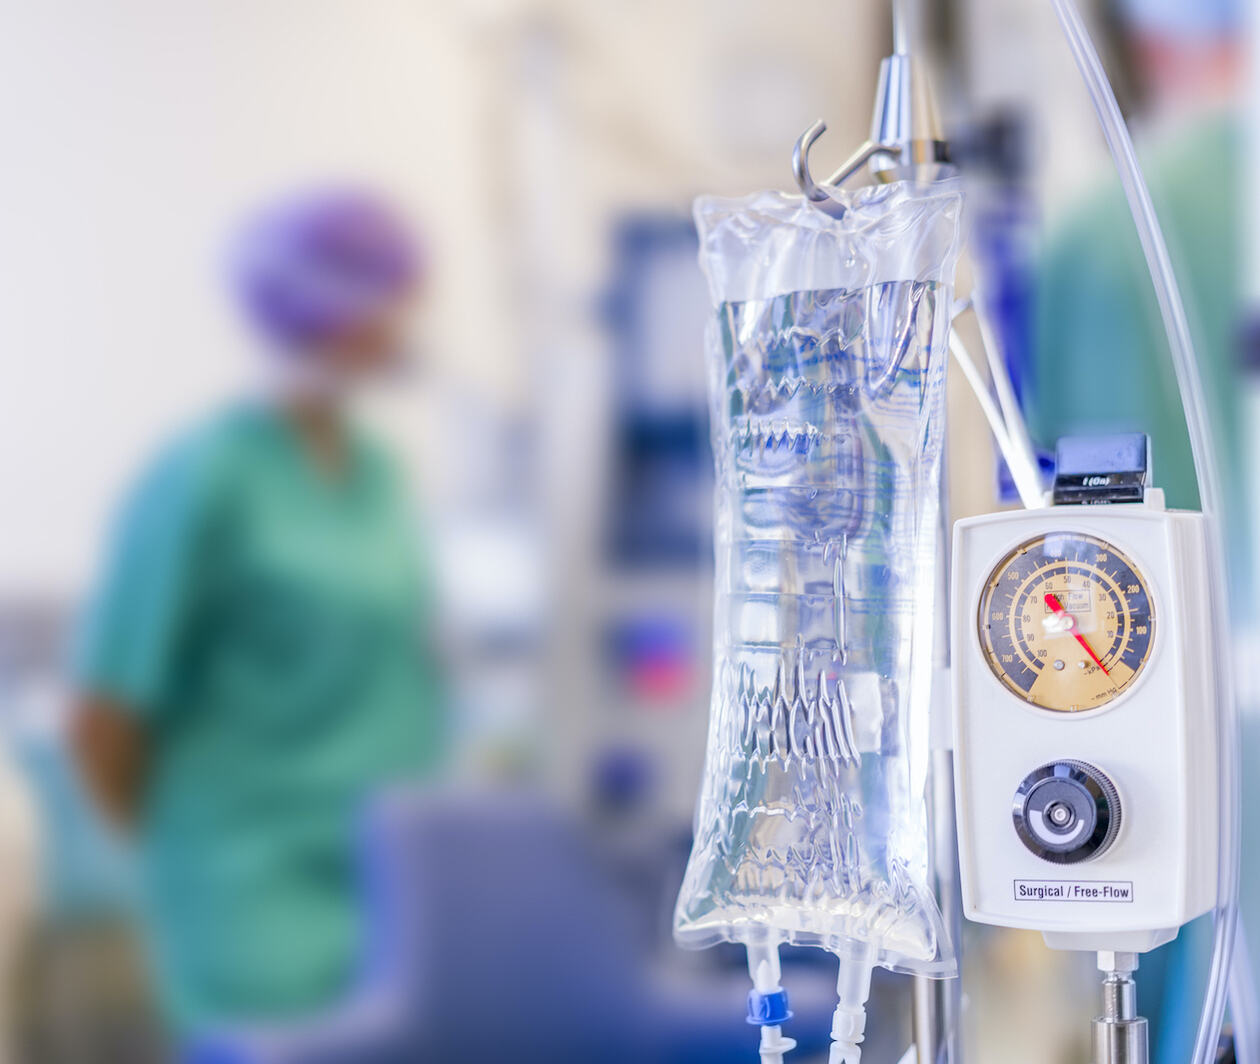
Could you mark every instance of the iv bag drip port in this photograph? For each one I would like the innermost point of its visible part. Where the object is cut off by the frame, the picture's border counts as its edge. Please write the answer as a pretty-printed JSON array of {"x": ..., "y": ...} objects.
[{"x": 1066, "y": 812}]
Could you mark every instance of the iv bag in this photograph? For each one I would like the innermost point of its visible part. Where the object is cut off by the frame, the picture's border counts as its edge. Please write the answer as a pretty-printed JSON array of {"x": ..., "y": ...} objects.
[{"x": 827, "y": 353}]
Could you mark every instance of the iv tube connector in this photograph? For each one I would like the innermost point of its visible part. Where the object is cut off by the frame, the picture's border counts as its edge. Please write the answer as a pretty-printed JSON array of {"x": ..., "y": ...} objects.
[
  {"x": 848, "y": 1025},
  {"x": 768, "y": 1003},
  {"x": 1120, "y": 1034}
]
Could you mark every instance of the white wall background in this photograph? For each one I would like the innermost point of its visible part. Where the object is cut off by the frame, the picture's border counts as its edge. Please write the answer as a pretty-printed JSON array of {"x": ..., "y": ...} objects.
[{"x": 134, "y": 133}]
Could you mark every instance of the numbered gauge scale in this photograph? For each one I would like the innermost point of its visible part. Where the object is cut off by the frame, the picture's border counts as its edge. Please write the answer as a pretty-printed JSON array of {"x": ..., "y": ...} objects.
[
  {"x": 1084, "y": 721},
  {"x": 1066, "y": 621}
]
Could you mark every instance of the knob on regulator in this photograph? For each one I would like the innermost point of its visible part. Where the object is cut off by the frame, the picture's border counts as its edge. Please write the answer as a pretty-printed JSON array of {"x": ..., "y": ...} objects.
[{"x": 1067, "y": 812}]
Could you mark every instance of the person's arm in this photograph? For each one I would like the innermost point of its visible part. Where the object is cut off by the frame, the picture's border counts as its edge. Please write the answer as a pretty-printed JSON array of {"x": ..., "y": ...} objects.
[
  {"x": 125, "y": 660},
  {"x": 109, "y": 747}
]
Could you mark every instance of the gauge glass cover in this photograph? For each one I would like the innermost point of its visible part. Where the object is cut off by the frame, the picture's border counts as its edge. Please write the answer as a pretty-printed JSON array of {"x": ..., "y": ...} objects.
[{"x": 1066, "y": 622}]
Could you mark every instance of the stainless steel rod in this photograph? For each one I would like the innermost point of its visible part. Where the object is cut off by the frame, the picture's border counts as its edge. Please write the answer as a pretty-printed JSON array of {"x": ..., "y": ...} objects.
[
  {"x": 903, "y": 26},
  {"x": 937, "y": 1003},
  {"x": 1120, "y": 1034}
]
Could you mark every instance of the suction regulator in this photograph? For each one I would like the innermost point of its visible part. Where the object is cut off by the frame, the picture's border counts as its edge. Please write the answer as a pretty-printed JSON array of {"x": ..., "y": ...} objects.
[{"x": 1085, "y": 724}]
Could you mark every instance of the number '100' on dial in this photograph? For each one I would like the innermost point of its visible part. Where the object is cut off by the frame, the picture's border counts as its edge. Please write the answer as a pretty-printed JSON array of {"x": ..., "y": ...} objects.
[{"x": 1066, "y": 622}]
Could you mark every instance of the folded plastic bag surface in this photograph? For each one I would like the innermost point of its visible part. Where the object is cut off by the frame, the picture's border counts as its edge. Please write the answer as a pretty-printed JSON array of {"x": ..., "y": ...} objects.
[{"x": 827, "y": 354}]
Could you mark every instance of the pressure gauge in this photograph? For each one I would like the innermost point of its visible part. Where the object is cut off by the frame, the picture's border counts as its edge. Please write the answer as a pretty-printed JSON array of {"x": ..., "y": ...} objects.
[{"x": 1066, "y": 621}]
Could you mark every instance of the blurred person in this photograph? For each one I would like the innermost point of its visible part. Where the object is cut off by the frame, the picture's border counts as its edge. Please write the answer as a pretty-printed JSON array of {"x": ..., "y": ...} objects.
[
  {"x": 253, "y": 666},
  {"x": 1101, "y": 361}
]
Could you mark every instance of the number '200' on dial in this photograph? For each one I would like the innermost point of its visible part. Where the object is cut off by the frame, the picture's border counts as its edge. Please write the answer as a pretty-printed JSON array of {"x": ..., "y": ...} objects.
[{"x": 1066, "y": 622}]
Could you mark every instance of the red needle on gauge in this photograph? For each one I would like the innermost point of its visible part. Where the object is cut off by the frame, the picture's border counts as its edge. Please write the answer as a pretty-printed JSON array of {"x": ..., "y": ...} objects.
[{"x": 1056, "y": 606}]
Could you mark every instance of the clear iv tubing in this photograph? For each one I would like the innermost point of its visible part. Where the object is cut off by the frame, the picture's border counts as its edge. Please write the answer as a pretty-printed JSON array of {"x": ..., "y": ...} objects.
[
  {"x": 1024, "y": 475},
  {"x": 1010, "y": 434},
  {"x": 1189, "y": 381}
]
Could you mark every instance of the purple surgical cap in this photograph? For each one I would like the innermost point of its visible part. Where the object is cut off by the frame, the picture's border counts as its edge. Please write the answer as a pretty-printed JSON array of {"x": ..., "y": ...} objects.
[{"x": 316, "y": 264}]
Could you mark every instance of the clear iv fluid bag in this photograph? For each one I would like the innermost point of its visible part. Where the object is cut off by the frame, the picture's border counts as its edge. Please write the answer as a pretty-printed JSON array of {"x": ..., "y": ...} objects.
[{"x": 827, "y": 355}]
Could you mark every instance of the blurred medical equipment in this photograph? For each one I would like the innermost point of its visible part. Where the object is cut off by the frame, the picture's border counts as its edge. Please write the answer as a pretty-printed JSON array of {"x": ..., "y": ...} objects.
[
  {"x": 437, "y": 986},
  {"x": 19, "y": 857},
  {"x": 1002, "y": 244},
  {"x": 26, "y": 836},
  {"x": 1074, "y": 631}
]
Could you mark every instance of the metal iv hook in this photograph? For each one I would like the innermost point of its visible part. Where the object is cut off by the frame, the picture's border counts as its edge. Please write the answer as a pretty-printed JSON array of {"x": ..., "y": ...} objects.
[
  {"x": 905, "y": 139},
  {"x": 818, "y": 194}
]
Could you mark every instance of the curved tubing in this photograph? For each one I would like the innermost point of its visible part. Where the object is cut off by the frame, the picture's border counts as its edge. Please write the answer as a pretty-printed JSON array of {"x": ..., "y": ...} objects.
[{"x": 1190, "y": 384}]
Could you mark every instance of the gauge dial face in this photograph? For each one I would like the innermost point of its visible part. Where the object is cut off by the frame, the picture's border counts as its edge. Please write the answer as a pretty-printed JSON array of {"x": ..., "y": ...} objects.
[{"x": 1066, "y": 622}]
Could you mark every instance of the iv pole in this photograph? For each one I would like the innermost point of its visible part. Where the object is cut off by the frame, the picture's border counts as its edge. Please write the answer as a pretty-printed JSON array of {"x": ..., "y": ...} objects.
[
  {"x": 936, "y": 1003},
  {"x": 906, "y": 141}
]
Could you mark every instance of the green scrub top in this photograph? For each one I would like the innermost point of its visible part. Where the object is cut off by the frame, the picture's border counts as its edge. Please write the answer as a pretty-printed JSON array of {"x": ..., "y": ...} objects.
[
  {"x": 1101, "y": 360},
  {"x": 265, "y": 620}
]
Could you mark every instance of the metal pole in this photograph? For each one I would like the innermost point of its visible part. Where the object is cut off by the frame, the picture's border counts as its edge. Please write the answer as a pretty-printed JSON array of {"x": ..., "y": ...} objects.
[
  {"x": 1120, "y": 1034},
  {"x": 903, "y": 26},
  {"x": 937, "y": 1003}
]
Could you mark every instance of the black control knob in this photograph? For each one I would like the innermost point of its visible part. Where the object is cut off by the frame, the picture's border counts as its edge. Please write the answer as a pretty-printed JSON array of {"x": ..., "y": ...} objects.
[{"x": 1066, "y": 812}]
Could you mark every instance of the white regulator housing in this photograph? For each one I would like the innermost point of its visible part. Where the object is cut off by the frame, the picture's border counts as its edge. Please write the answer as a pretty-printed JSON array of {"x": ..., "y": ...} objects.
[{"x": 1085, "y": 731}]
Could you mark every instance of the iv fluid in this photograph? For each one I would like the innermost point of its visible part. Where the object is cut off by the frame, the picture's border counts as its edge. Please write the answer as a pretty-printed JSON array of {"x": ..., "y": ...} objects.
[
  {"x": 827, "y": 407},
  {"x": 827, "y": 446}
]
